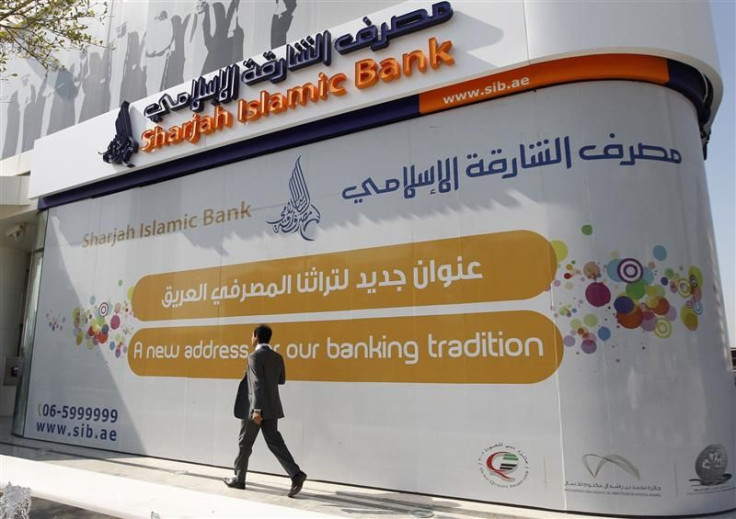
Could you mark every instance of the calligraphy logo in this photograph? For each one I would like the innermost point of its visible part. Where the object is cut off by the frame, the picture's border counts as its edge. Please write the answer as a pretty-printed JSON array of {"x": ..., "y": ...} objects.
[
  {"x": 123, "y": 145},
  {"x": 710, "y": 466},
  {"x": 614, "y": 459},
  {"x": 298, "y": 213},
  {"x": 503, "y": 466}
]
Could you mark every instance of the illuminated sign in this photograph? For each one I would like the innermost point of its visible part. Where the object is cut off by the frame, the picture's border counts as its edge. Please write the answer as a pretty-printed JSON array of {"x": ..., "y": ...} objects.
[
  {"x": 368, "y": 73},
  {"x": 223, "y": 87}
]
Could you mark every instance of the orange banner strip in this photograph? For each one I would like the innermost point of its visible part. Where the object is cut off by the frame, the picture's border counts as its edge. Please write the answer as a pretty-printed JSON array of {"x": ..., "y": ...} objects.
[
  {"x": 635, "y": 67},
  {"x": 521, "y": 347},
  {"x": 505, "y": 266}
]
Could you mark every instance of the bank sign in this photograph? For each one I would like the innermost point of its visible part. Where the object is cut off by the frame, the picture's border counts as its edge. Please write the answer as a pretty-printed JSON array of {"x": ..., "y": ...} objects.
[
  {"x": 391, "y": 54},
  {"x": 224, "y": 86}
]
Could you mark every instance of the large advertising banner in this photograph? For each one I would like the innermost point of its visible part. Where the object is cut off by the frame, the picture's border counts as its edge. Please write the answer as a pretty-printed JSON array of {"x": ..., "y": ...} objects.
[{"x": 514, "y": 302}]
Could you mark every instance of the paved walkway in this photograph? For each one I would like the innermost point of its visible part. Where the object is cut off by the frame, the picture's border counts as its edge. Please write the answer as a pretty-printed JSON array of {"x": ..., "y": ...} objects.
[
  {"x": 43, "y": 509},
  {"x": 122, "y": 485},
  {"x": 128, "y": 497}
]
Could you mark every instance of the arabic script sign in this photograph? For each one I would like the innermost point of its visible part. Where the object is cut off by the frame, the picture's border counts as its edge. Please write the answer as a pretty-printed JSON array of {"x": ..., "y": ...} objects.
[{"x": 224, "y": 86}]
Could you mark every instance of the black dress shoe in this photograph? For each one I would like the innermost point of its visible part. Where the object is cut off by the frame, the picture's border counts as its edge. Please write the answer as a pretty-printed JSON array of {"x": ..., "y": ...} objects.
[
  {"x": 297, "y": 482},
  {"x": 234, "y": 483}
]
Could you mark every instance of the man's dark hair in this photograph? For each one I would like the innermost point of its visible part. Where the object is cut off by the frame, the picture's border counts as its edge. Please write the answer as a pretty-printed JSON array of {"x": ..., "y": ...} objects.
[{"x": 263, "y": 333}]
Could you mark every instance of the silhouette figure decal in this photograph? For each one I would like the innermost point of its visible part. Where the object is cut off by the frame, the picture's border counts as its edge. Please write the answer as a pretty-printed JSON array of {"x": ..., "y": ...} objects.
[{"x": 123, "y": 145}]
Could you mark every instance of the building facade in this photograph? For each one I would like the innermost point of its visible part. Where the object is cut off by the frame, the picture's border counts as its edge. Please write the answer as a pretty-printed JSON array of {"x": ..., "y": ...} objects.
[{"x": 480, "y": 231}]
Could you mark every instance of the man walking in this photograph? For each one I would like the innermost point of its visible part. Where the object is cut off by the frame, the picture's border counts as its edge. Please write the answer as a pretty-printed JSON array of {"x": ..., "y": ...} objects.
[{"x": 258, "y": 405}]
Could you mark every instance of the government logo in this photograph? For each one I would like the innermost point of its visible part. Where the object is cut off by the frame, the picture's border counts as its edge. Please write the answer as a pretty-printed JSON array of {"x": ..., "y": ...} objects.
[
  {"x": 503, "y": 465},
  {"x": 710, "y": 466}
]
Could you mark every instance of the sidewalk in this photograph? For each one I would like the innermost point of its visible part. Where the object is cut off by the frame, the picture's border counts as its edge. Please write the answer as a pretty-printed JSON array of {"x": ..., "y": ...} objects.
[{"x": 122, "y": 485}]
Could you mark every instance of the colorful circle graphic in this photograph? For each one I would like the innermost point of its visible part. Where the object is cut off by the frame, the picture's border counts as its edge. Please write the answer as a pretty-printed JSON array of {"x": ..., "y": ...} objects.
[
  {"x": 689, "y": 318},
  {"x": 598, "y": 294},
  {"x": 623, "y": 304},
  {"x": 630, "y": 270},
  {"x": 103, "y": 309},
  {"x": 663, "y": 328},
  {"x": 660, "y": 253},
  {"x": 592, "y": 270},
  {"x": 631, "y": 320},
  {"x": 642, "y": 294},
  {"x": 588, "y": 346},
  {"x": 604, "y": 333}
]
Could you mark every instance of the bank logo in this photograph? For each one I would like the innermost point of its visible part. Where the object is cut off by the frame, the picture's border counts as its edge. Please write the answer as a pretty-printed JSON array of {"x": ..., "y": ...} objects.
[
  {"x": 593, "y": 463},
  {"x": 503, "y": 466},
  {"x": 710, "y": 466},
  {"x": 298, "y": 213},
  {"x": 123, "y": 145}
]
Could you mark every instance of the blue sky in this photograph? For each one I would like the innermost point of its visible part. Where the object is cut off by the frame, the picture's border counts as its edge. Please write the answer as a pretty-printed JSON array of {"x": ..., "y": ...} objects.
[{"x": 721, "y": 163}]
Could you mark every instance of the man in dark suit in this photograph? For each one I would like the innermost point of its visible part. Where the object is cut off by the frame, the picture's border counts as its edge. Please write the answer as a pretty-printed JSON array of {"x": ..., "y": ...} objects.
[{"x": 258, "y": 405}]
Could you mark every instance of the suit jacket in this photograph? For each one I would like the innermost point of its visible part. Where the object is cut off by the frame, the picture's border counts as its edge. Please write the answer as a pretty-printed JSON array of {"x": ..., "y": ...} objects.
[
  {"x": 241, "y": 398},
  {"x": 259, "y": 388}
]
